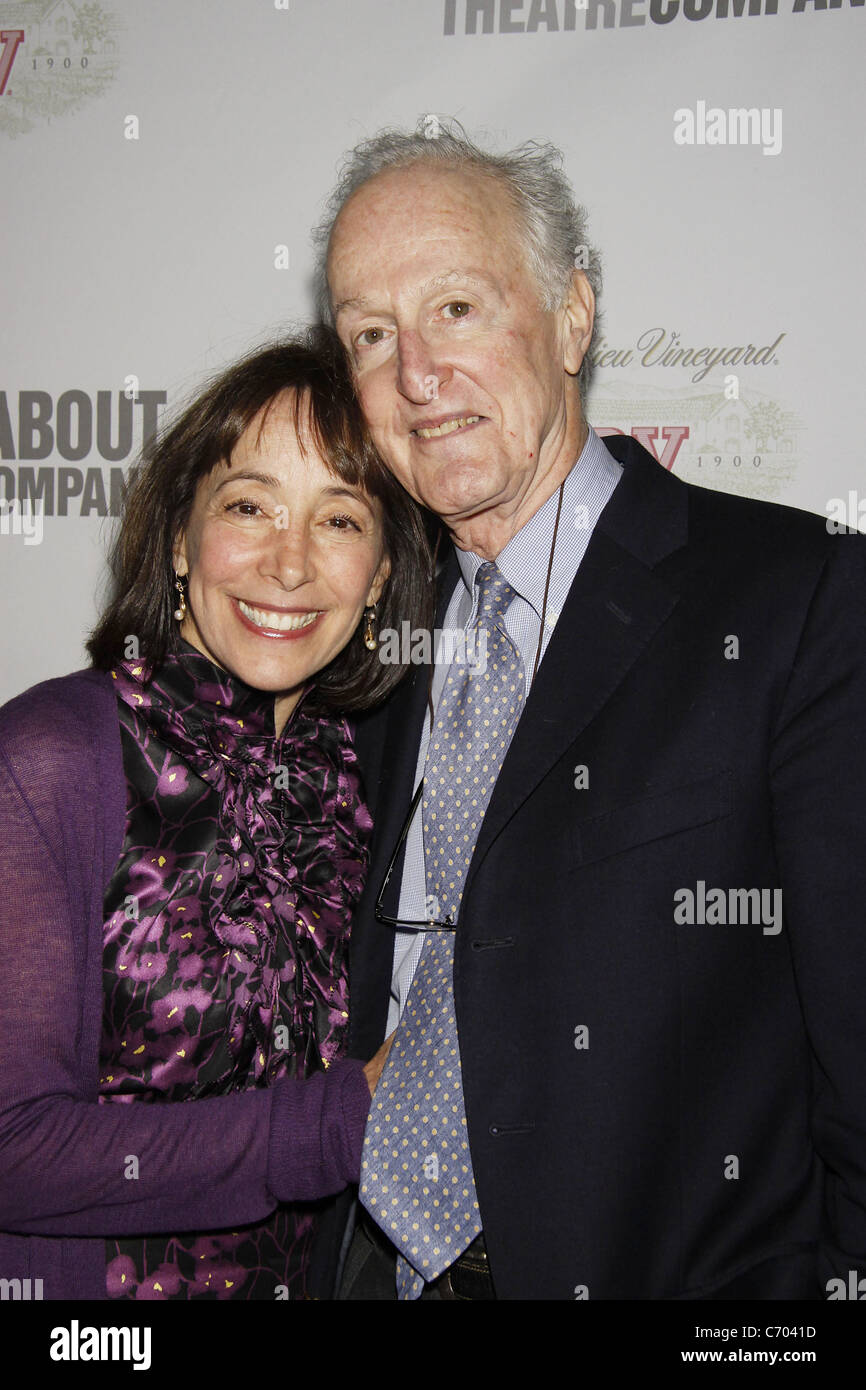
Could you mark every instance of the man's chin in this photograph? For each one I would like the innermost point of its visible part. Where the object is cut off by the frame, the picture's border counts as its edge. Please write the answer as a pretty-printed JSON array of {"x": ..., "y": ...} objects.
[{"x": 460, "y": 490}]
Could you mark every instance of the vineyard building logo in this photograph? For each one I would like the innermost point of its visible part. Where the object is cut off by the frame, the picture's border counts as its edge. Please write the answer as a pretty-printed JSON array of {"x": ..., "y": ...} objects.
[
  {"x": 749, "y": 446},
  {"x": 717, "y": 424},
  {"x": 54, "y": 56}
]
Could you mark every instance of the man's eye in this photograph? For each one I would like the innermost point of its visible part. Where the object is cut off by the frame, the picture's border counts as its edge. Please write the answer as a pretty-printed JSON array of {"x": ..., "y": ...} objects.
[{"x": 460, "y": 307}]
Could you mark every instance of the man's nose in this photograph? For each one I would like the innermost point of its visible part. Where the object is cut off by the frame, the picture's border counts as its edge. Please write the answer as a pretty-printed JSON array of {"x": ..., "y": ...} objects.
[
  {"x": 288, "y": 557},
  {"x": 421, "y": 372}
]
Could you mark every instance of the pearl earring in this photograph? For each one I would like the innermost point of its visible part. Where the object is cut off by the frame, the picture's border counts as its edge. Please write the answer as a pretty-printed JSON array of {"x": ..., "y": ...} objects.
[{"x": 180, "y": 611}]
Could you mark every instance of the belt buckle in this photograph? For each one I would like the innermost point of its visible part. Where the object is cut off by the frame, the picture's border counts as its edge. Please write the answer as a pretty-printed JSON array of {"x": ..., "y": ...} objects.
[{"x": 445, "y": 1283}]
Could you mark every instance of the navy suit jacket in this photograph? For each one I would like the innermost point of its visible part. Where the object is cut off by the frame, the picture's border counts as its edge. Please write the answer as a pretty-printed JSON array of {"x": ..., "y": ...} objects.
[{"x": 661, "y": 1108}]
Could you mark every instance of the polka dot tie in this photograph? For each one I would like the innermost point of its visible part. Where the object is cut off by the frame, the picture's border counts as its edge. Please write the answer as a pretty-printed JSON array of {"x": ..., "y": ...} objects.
[{"x": 416, "y": 1169}]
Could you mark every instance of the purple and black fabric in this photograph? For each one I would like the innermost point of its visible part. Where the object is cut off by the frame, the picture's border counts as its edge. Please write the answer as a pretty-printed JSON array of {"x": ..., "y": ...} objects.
[
  {"x": 226, "y": 927},
  {"x": 214, "y": 1164}
]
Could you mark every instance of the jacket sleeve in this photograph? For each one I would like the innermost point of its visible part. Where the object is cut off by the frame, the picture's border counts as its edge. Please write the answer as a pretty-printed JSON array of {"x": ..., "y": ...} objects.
[
  {"x": 818, "y": 777},
  {"x": 69, "y": 1165}
]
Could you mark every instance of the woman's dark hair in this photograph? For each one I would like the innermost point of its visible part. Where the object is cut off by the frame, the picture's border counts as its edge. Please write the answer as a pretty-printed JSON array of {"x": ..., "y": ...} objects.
[{"x": 161, "y": 491}]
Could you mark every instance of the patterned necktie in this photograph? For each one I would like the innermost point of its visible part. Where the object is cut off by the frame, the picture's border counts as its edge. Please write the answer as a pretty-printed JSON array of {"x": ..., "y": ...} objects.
[{"x": 416, "y": 1170}]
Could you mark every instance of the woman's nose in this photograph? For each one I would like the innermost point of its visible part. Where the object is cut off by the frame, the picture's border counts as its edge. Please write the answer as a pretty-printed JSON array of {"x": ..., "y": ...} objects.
[{"x": 289, "y": 555}]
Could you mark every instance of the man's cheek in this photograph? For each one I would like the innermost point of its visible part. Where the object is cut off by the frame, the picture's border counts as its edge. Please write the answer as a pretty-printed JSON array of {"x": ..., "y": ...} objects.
[
  {"x": 372, "y": 404},
  {"x": 380, "y": 423}
]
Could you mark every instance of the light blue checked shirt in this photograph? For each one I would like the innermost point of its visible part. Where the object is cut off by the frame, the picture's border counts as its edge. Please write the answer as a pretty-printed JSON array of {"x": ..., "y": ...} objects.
[{"x": 524, "y": 563}]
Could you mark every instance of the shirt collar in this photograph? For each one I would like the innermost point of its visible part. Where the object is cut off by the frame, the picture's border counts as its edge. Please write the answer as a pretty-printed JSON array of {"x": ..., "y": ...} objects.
[{"x": 524, "y": 561}]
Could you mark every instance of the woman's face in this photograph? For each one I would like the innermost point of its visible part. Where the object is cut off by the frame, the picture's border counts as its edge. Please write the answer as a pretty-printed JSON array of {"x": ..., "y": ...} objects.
[{"x": 282, "y": 558}]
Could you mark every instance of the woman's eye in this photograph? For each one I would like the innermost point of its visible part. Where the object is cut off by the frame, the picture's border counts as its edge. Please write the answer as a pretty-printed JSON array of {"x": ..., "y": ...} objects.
[
  {"x": 457, "y": 305},
  {"x": 341, "y": 522},
  {"x": 244, "y": 506}
]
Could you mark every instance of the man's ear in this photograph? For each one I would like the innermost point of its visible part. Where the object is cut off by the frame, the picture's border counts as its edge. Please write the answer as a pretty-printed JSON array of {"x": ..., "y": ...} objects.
[
  {"x": 383, "y": 574},
  {"x": 579, "y": 316}
]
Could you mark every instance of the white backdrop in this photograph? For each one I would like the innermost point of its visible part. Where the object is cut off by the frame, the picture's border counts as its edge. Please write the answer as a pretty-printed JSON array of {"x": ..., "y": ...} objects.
[{"x": 154, "y": 157}]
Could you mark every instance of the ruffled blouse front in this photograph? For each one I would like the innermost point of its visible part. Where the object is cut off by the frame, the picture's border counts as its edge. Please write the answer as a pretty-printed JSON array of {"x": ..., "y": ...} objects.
[{"x": 226, "y": 928}]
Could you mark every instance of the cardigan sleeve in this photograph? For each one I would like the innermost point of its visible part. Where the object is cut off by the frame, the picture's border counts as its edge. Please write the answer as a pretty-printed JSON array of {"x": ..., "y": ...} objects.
[{"x": 72, "y": 1166}]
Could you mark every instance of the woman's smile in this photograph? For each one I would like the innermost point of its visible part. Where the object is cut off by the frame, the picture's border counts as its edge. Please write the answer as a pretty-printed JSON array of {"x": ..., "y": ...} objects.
[{"x": 278, "y": 622}]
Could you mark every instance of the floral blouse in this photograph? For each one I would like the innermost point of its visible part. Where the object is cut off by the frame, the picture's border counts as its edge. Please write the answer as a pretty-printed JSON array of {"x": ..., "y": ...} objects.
[{"x": 226, "y": 927}]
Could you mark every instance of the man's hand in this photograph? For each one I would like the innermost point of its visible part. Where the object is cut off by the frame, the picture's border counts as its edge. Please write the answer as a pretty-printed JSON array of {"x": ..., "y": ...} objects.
[{"x": 373, "y": 1069}]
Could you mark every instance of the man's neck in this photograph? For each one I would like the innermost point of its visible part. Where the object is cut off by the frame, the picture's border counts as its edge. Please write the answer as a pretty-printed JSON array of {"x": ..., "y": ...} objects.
[{"x": 488, "y": 533}]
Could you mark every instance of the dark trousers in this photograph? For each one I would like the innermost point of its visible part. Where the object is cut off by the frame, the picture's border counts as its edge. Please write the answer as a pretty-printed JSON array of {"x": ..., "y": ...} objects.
[{"x": 370, "y": 1270}]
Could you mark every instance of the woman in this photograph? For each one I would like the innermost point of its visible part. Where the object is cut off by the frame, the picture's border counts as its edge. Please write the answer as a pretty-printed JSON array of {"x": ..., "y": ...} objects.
[{"x": 183, "y": 840}]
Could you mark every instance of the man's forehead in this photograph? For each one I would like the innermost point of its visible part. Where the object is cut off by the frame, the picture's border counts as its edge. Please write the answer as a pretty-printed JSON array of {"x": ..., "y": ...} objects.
[
  {"x": 458, "y": 275},
  {"x": 454, "y": 200}
]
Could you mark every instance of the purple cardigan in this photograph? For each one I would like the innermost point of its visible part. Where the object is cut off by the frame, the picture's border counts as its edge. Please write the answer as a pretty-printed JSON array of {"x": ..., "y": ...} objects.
[{"x": 202, "y": 1165}]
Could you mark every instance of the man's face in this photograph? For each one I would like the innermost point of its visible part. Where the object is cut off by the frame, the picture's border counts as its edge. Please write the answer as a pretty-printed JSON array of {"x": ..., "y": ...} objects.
[{"x": 462, "y": 375}]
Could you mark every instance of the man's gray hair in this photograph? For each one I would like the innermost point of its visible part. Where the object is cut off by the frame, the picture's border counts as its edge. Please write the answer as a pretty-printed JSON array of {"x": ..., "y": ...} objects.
[{"x": 554, "y": 226}]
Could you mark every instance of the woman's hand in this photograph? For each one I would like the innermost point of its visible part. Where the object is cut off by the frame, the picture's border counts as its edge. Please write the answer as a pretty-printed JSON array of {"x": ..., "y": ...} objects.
[{"x": 373, "y": 1069}]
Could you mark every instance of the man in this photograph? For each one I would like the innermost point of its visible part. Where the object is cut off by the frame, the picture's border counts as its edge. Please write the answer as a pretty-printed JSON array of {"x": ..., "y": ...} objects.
[{"x": 635, "y": 1070}]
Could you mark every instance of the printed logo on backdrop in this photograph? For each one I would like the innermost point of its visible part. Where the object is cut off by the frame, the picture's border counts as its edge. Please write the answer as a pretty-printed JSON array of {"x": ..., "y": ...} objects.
[
  {"x": 54, "y": 56},
  {"x": 65, "y": 455},
  {"x": 567, "y": 16},
  {"x": 719, "y": 423}
]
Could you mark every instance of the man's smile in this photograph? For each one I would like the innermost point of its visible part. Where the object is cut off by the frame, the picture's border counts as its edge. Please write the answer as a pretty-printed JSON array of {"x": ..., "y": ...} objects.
[{"x": 448, "y": 425}]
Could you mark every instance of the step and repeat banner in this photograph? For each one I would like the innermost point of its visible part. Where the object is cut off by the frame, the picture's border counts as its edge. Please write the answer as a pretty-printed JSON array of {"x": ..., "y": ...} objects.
[{"x": 163, "y": 164}]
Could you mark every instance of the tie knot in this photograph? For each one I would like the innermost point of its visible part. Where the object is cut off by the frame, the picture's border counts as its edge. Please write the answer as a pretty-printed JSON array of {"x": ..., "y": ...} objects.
[{"x": 494, "y": 592}]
